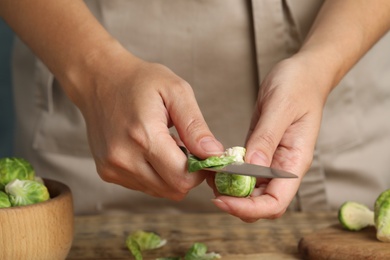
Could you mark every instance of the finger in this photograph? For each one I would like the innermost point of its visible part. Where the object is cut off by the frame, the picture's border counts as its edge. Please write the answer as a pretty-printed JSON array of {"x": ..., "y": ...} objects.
[
  {"x": 266, "y": 131},
  {"x": 189, "y": 122},
  {"x": 170, "y": 162},
  {"x": 135, "y": 173},
  {"x": 210, "y": 178}
]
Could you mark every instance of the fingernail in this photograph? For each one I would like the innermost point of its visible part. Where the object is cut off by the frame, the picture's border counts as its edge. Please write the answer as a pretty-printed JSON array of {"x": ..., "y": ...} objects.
[
  {"x": 220, "y": 204},
  {"x": 210, "y": 145},
  {"x": 258, "y": 158}
]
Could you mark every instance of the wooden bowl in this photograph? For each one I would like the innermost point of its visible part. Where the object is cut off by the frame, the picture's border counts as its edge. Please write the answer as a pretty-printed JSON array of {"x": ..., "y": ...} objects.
[{"x": 39, "y": 231}]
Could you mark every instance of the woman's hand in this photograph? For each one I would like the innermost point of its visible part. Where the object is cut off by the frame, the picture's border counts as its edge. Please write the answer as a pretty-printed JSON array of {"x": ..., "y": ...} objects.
[
  {"x": 128, "y": 112},
  {"x": 289, "y": 108},
  {"x": 282, "y": 135}
]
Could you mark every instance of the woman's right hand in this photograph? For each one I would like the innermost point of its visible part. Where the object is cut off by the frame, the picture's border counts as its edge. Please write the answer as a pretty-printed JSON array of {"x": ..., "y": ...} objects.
[{"x": 129, "y": 106}]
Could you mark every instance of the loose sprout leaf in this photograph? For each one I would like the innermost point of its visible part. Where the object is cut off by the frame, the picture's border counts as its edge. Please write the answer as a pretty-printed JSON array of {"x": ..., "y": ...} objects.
[
  {"x": 4, "y": 200},
  {"x": 26, "y": 192},
  {"x": 134, "y": 248},
  {"x": 196, "y": 164},
  {"x": 12, "y": 168},
  {"x": 141, "y": 240},
  {"x": 198, "y": 251}
]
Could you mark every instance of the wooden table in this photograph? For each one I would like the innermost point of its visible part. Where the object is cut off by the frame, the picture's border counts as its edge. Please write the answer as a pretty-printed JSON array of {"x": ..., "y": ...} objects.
[{"x": 103, "y": 236}]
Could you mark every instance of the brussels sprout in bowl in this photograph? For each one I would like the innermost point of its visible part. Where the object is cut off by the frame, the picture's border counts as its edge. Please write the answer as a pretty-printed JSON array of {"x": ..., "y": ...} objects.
[{"x": 42, "y": 230}]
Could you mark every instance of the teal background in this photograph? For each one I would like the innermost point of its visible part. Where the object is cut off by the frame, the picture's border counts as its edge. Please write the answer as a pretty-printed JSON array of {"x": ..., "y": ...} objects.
[{"x": 6, "y": 99}]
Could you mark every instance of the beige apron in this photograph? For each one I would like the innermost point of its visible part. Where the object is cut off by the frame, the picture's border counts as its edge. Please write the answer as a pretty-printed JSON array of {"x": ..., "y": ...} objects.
[{"x": 222, "y": 48}]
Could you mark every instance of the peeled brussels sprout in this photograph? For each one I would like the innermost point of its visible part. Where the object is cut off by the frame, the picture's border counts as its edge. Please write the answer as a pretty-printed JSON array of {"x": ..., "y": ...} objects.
[
  {"x": 4, "y": 200},
  {"x": 141, "y": 240},
  {"x": 227, "y": 184},
  {"x": 26, "y": 192},
  {"x": 355, "y": 216},
  {"x": 15, "y": 168},
  {"x": 234, "y": 185},
  {"x": 382, "y": 216}
]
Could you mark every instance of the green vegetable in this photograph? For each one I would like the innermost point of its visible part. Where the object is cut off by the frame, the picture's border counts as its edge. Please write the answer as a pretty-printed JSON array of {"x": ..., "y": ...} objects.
[
  {"x": 4, "y": 200},
  {"x": 26, "y": 192},
  {"x": 382, "y": 216},
  {"x": 196, "y": 164},
  {"x": 15, "y": 168},
  {"x": 198, "y": 251},
  {"x": 226, "y": 184},
  {"x": 141, "y": 240},
  {"x": 234, "y": 185},
  {"x": 355, "y": 216},
  {"x": 378, "y": 202}
]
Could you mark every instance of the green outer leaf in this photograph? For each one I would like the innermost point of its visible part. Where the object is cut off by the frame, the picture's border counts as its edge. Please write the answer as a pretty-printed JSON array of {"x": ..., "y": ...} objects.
[
  {"x": 142, "y": 240},
  {"x": 198, "y": 251},
  {"x": 26, "y": 192},
  {"x": 234, "y": 185},
  {"x": 4, "y": 200},
  {"x": 12, "y": 168},
  {"x": 134, "y": 248},
  {"x": 196, "y": 164}
]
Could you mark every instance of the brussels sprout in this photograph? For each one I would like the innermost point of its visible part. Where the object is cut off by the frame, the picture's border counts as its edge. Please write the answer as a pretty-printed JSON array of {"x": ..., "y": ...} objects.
[
  {"x": 26, "y": 192},
  {"x": 234, "y": 185},
  {"x": 198, "y": 251},
  {"x": 382, "y": 216},
  {"x": 4, "y": 200},
  {"x": 226, "y": 184},
  {"x": 378, "y": 202},
  {"x": 142, "y": 240},
  {"x": 14, "y": 168},
  {"x": 355, "y": 216}
]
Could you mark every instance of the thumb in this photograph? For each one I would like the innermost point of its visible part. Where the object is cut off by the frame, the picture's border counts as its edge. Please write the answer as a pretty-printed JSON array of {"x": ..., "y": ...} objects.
[
  {"x": 188, "y": 120},
  {"x": 264, "y": 136}
]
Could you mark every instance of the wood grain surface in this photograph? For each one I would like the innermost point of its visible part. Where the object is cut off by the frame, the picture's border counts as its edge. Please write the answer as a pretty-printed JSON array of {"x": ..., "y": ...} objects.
[
  {"x": 103, "y": 237},
  {"x": 336, "y": 243}
]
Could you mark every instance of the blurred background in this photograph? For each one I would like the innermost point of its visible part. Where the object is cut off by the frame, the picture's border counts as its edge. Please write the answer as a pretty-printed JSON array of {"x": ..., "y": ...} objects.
[{"x": 6, "y": 99}]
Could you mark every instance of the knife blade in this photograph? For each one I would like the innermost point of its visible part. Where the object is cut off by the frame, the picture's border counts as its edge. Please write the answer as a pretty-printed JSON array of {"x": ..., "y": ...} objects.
[{"x": 248, "y": 169}]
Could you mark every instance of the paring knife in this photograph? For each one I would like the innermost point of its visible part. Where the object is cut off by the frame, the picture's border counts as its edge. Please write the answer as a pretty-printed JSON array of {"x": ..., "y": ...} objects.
[{"x": 252, "y": 170}]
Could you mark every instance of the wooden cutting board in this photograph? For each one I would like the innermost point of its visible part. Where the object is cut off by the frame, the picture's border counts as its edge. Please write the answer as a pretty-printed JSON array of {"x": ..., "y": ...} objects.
[{"x": 336, "y": 243}]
